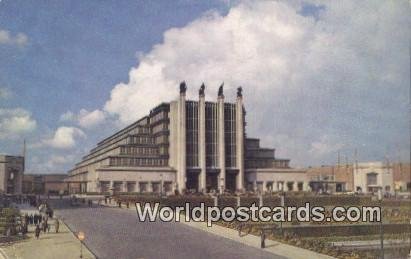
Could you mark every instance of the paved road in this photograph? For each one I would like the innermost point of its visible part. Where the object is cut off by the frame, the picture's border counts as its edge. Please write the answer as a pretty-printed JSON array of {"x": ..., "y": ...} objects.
[{"x": 115, "y": 233}]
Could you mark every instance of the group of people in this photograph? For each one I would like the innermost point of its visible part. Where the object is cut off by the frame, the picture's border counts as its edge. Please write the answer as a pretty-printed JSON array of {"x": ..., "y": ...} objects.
[
  {"x": 45, "y": 226},
  {"x": 41, "y": 220},
  {"x": 34, "y": 219}
]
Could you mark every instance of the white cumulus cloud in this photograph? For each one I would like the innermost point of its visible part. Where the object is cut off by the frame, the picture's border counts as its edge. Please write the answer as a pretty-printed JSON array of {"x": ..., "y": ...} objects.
[
  {"x": 65, "y": 137},
  {"x": 85, "y": 118},
  {"x": 15, "y": 122},
  {"x": 20, "y": 39},
  {"x": 88, "y": 119}
]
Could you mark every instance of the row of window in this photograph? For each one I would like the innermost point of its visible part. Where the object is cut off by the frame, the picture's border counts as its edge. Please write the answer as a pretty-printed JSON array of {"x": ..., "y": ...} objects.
[
  {"x": 139, "y": 151},
  {"x": 271, "y": 186},
  {"x": 230, "y": 135},
  {"x": 141, "y": 130},
  {"x": 281, "y": 163},
  {"x": 211, "y": 135},
  {"x": 192, "y": 134},
  {"x": 160, "y": 127},
  {"x": 162, "y": 139},
  {"x": 142, "y": 186},
  {"x": 258, "y": 163},
  {"x": 140, "y": 140},
  {"x": 159, "y": 116},
  {"x": 133, "y": 161}
]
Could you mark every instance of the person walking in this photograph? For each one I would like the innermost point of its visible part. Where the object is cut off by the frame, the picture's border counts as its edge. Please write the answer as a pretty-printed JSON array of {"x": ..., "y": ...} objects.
[
  {"x": 57, "y": 225},
  {"x": 44, "y": 225},
  {"x": 37, "y": 231}
]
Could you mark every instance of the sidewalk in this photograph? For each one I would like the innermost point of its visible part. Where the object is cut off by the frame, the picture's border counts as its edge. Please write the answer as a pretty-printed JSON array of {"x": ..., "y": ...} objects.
[
  {"x": 62, "y": 245},
  {"x": 274, "y": 247}
]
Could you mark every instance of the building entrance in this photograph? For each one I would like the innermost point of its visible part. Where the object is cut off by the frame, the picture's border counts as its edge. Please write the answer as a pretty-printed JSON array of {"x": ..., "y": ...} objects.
[
  {"x": 212, "y": 181},
  {"x": 192, "y": 181},
  {"x": 230, "y": 182}
]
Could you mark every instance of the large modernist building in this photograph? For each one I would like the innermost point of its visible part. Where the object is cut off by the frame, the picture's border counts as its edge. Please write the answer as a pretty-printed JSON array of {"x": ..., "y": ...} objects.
[{"x": 184, "y": 145}]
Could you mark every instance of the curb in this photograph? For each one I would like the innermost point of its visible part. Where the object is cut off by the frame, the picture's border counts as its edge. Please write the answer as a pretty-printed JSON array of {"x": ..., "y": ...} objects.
[
  {"x": 84, "y": 244},
  {"x": 3, "y": 255}
]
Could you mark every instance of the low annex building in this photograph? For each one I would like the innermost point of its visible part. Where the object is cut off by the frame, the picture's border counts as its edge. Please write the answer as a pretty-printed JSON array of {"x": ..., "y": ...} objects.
[
  {"x": 182, "y": 145},
  {"x": 44, "y": 184},
  {"x": 371, "y": 176}
]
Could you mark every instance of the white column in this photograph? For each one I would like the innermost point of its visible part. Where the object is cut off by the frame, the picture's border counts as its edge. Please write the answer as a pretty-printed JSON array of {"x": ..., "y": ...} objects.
[
  {"x": 182, "y": 166},
  {"x": 137, "y": 188},
  {"x": 221, "y": 143},
  {"x": 202, "y": 143},
  {"x": 240, "y": 142},
  {"x": 124, "y": 186},
  {"x": 264, "y": 186},
  {"x": 275, "y": 188},
  {"x": 306, "y": 187}
]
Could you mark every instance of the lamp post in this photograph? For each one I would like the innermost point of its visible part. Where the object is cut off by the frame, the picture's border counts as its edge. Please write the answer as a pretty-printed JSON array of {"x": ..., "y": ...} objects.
[
  {"x": 161, "y": 185},
  {"x": 381, "y": 226},
  {"x": 81, "y": 236},
  {"x": 282, "y": 200},
  {"x": 409, "y": 256}
]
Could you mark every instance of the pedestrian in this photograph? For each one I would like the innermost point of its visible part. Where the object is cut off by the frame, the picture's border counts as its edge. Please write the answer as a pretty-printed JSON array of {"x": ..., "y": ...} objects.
[
  {"x": 24, "y": 228},
  {"x": 44, "y": 225},
  {"x": 57, "y": 225},
  {"x": 48, "y": 228},
  {"x": 37, "y": 231}
]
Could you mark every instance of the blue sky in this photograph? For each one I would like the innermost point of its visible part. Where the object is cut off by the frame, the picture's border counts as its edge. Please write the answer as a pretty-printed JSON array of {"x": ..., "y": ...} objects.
[
  {"x": 77, "y": 51},
  {"x": 318, "y": 78}
]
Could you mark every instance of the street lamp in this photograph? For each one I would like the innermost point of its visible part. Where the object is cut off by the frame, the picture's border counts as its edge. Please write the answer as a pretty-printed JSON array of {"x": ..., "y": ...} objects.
[
  {"x": 81, "y": 237},
  {"x": 282, "y": 201},
  {"x": 381, "y": 226},
  {"x": 161, "y": 185}
]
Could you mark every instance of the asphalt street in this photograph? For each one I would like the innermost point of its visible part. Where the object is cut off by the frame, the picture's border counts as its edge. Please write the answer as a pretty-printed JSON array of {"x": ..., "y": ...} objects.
[{"x": 116, "y": 233}]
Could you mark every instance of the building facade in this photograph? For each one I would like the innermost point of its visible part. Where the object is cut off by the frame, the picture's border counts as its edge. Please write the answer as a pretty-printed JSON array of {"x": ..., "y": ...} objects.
[
  {"x": 369, "y": 177},
  {"x": 331, "y": 179},
  {"x": 181, "y": 145},
  {"x": 402, "y": 177},
  {"x": 266, "y": 173},
  {"x": 11, "y": 174},
  {"x": 44, "y": 184}
]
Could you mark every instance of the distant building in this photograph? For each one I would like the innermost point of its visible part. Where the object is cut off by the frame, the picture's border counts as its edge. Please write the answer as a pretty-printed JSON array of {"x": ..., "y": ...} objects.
[
  {"x": 402, "y": 176},
  {"x": 365, "y": 177},
  {"x": 371, "y": 176},
  {"x": 11, "y": 174},
  {"x": 183, "y": 145},
  {"x": 331, "y": 179},
  {"x": 265, "y": 173},
  {"x": 44, "y": 184}
]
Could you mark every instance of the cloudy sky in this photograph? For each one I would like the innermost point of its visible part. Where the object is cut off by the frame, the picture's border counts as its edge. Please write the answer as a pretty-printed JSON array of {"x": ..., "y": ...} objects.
[{"x": 319, "y": 78}]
